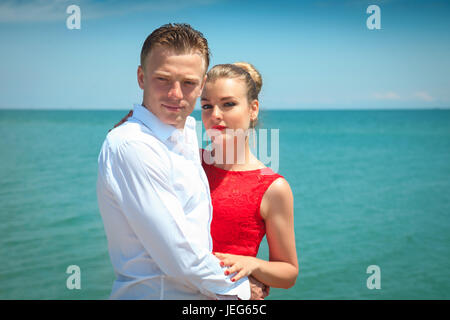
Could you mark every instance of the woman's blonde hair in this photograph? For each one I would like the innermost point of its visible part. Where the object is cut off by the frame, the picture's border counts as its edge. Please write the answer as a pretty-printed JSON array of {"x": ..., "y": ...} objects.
[{"x": 239, "y": 70}]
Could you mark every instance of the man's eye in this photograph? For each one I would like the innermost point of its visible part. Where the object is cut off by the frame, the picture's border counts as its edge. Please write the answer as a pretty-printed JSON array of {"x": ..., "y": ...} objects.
[
  {"x": 161, "y": 79},
  {"x": 206, "y": 106},
  {"x": 190, "y": 83}
]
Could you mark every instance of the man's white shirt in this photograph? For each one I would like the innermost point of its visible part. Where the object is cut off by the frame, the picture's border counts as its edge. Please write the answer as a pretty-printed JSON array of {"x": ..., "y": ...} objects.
[{"x": 155, "y": 203}]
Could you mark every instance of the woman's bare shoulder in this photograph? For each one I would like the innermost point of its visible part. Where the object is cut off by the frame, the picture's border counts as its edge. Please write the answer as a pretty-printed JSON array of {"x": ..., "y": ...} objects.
[
  {"x": 277, "y": 198},
  {"x": 279, "y": 188}
]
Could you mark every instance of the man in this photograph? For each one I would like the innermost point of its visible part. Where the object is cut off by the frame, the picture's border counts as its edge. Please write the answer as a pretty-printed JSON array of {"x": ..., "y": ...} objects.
[{"x": 152, "y": 192}]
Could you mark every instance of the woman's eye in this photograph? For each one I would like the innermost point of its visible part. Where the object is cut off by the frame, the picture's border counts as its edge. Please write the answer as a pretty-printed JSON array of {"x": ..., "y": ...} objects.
[
  {"x": 206, "y": 106},
  {"x": 229, "y": 104}
]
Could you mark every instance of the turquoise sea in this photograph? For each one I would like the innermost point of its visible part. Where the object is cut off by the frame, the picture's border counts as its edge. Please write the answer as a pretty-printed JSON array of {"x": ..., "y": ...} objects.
[{"x": 370, "y": 188}]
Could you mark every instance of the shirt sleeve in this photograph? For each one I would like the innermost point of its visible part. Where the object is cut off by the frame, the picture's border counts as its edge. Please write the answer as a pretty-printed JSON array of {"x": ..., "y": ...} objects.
[{"x": 142, "y": 179}]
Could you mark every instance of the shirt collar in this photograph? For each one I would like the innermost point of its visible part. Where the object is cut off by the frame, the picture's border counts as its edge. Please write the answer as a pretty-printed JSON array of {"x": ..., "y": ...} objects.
[{"x": 161, "y": 130}]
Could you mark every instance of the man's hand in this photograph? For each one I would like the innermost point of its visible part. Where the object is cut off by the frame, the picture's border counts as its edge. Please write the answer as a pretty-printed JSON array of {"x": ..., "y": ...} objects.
[{"x": 258, "y": 289}]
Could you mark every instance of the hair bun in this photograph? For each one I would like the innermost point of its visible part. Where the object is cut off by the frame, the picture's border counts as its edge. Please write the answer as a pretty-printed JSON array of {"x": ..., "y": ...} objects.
[{"x": 256, "y": 76}]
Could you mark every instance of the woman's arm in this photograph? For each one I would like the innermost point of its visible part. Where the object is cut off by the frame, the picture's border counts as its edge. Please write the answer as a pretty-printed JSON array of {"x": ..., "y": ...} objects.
[{"x": 281, "y": 271}]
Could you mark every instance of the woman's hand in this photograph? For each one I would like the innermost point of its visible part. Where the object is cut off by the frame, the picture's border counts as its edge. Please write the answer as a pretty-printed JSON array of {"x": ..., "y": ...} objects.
[
  {"x": 123, "y": 120},
  {"x": 243, "y": 266}
]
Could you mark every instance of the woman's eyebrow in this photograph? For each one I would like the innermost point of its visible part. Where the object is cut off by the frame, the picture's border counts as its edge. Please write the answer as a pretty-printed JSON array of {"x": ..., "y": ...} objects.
[
  {"x": 227, "y": 98},
  {"x": 221, "y": 99}
]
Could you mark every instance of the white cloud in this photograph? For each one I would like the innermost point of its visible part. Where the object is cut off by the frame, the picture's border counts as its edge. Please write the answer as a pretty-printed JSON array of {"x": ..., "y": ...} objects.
[
  {"x": 38, "y": 10},
  {"x": 54, "y": 10},
  {"x": 423, "y": 95},
  {"x": 390, "y": 95}
]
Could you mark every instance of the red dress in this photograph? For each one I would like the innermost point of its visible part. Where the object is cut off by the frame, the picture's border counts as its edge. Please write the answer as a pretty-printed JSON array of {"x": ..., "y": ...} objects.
[{"x": 237, "y": 226}]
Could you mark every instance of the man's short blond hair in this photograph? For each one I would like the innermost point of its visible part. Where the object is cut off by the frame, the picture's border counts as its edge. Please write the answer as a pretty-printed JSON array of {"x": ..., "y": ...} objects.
[{"x": 180, "y": 37}]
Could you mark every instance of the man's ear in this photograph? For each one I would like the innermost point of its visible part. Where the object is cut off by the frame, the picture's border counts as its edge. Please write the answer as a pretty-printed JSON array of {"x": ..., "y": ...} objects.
[{"x": 140, "y": 77}]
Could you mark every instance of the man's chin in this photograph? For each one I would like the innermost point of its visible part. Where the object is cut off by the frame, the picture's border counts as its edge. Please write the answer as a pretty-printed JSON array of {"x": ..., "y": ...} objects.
[{"x": 176, "y": 121}]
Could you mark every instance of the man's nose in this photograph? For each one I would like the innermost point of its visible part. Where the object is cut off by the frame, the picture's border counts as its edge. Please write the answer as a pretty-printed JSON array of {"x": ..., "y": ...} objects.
[{"x": 175, "y": 91}]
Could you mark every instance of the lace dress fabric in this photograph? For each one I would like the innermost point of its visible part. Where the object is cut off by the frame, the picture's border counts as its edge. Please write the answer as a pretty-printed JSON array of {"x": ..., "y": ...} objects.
[{"x": 237, "y": 226}]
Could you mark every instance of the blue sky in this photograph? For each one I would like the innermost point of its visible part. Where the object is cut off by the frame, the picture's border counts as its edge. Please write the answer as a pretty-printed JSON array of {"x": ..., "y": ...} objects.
[{"x": 312, "y": 54}]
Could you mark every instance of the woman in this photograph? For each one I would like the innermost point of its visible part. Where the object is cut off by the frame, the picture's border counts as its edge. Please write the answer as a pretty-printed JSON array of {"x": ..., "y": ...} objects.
[{"x": 249, "y": 199}]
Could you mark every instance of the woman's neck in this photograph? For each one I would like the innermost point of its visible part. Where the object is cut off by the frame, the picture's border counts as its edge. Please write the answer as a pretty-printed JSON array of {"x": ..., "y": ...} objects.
[{"x": 241, "y": 159}]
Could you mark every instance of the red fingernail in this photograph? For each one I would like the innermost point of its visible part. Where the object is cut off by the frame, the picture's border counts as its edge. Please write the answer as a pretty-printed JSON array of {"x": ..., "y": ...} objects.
[
  {"x": 227, "y": 272},
  {"x": 221, "y": 263},
  {"x": 233, "y": 280}
]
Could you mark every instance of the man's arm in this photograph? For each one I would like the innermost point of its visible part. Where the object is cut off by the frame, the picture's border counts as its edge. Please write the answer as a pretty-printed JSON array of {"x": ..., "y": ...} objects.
[{"x": 141, "y": 179}]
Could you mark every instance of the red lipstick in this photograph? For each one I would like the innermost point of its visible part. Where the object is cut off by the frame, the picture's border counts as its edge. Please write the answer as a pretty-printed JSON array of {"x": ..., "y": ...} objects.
[{"x": 217, "y": 127}]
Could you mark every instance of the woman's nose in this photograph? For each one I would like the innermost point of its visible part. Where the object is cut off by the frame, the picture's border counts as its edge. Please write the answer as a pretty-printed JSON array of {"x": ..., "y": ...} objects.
[
  {"x": 175, "y": 92},
  {"x": 217, "y": 113}
]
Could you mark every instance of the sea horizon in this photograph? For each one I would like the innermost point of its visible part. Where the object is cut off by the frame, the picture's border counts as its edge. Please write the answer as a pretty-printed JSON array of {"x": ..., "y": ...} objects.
[
  {"x": 262, "y": 109},
  {"x": 371, "y": 189}
]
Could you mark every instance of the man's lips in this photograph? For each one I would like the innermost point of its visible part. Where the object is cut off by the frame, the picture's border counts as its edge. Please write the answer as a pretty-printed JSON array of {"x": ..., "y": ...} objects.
[
  {"x": 217, "y": 127},
  {"x": 172, "y": 108}
]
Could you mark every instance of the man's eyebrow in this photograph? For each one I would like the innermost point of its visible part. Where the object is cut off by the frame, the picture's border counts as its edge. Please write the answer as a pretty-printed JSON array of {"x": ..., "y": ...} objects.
[
  {"x": 204, "y": 99},
  {"x": 162, "y": 73},
  {"x": 167, "y": 74},
  {"x": 189, "y": 78}
]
